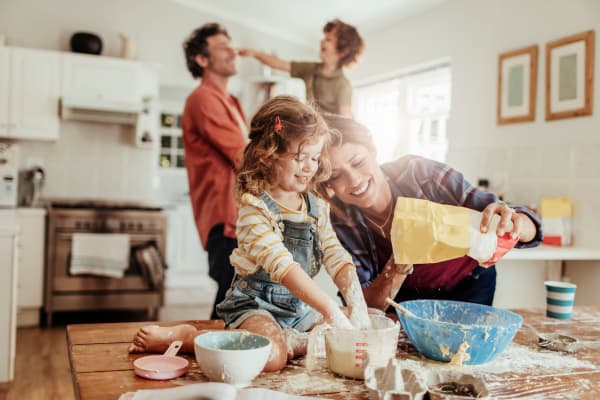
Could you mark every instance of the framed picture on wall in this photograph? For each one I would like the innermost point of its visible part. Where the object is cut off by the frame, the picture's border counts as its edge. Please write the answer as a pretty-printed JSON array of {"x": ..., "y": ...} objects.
[
  {"x": 570, "y": 76},
  {"x": 517, "y": 85}
]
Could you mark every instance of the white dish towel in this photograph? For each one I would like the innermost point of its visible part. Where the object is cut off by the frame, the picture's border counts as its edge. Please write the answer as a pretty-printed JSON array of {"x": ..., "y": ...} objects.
[{"x": 104, "y": 254}]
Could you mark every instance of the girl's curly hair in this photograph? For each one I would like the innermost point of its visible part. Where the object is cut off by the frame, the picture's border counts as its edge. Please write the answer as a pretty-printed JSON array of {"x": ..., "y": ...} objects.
[{"x": 296, "y": 122}]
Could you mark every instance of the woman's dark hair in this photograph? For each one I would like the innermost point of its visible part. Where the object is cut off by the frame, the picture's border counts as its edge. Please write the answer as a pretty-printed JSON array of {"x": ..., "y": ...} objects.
[
  {"x": 347, "y": 130},
  {"x": 349, "y": 43},
  {"x": 197, "y": 44}
]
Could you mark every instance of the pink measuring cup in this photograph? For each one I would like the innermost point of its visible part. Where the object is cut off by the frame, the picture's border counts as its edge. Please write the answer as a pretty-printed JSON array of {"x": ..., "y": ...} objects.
[{"x": 162, "y": 367}]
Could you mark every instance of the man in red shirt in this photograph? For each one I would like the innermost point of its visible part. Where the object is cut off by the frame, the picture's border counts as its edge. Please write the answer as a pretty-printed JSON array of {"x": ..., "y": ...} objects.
[{"x": 214, "y": 137}]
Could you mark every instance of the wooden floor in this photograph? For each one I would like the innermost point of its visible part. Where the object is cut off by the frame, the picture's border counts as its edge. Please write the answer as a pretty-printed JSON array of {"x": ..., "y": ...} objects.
[{"x": 42, "y": 370}]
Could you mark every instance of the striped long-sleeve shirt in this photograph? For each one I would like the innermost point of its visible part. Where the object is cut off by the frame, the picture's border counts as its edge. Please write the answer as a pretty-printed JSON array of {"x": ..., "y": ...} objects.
[{"x": 260, "y": 241}]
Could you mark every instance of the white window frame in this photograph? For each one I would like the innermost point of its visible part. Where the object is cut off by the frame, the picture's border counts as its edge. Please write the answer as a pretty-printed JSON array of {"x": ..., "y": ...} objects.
[{"x": 396, "y": 107}]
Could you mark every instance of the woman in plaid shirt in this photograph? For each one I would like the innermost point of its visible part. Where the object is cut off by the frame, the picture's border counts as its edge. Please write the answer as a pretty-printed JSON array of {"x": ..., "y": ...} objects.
[{"x": 363, "y": 195}]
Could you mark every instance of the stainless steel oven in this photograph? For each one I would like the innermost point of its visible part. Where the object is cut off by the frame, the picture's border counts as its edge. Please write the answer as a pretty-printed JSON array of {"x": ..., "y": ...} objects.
[{"x": 67, "y": 292}]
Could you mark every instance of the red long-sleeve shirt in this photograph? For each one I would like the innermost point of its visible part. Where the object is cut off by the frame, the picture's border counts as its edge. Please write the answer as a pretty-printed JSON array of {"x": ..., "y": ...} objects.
[{"x": 213, "y": 143}]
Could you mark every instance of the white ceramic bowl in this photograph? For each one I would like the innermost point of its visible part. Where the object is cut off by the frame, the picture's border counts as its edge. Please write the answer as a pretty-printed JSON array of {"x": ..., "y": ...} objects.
[{"x": 231, "y": 356}]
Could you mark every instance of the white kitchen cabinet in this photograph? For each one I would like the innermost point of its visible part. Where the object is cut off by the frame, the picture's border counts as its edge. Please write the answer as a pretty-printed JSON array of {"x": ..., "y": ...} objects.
[
  {"x": 522, "y": 272},
  {"x": 107, "y": 78},
  {"x": 29, "y": 93},
  {"x": 94, "y": 77},
  {"x": 148, "y": 80},
  {"x": 186, "y": 258},
  {"x": 4, "y": 89},
  {"x": 8, "y": 294},
  {"x": 111, "y": 80},
  {"x": 32, "y": 227},
  {"x": 189, "y": 291}
]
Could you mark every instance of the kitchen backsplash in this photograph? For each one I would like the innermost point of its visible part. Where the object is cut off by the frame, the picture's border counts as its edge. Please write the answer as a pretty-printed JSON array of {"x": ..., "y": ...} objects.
[
  {"x": 525, "y": 174},
  {"x": 95, "y": 161}
]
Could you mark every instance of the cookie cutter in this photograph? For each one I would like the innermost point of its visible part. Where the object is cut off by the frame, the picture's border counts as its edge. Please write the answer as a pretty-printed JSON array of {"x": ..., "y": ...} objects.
[
  {"x": 555, "y": 341},
  {"x": 558, "y": 342},
  {"x": 401, "y": 380}
]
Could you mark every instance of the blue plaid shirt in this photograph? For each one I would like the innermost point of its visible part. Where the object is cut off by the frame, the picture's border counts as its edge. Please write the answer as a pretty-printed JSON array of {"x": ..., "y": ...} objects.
[{"x": 417, "y": 177}]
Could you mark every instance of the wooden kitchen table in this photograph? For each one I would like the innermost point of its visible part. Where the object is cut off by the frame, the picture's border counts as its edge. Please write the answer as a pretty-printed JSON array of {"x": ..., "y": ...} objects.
[{"x": 103, "y": 369}]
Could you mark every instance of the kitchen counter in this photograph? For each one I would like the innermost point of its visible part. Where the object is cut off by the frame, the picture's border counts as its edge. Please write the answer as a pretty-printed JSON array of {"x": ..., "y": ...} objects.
[
  {"x": 102, "y": 368},
  {"x": 522, "y": 272},
  {"x": 555, "y": 253}
]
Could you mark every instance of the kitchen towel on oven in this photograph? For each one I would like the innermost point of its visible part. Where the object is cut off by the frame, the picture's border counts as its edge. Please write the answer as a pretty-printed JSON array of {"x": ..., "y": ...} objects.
[{"x": 104, "y": 254}]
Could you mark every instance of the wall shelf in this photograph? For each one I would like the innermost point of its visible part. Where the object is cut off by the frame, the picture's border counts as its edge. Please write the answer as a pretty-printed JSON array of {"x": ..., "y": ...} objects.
[{"x": 543, "y": 253}]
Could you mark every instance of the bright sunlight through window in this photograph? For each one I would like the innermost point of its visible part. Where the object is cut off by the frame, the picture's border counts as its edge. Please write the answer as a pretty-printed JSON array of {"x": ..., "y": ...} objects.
[{"x": 407, "y": 114}]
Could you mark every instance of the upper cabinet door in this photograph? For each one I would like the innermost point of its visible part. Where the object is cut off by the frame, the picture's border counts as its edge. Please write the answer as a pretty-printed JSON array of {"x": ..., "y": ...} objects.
[
  {"x": 34, "y": 94},
  {"x": 100, "y": 77},
  {"x": 147, "y": 81},
  {"x": 4, "y": 89}
]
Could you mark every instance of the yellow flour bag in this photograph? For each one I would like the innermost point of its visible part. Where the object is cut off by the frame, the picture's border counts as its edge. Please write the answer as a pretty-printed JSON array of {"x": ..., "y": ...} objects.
[{"x": 424, "y": 232}]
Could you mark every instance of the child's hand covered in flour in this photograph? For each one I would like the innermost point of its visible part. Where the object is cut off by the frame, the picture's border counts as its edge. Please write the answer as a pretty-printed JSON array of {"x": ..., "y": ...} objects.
[
  {"x": 337, "y": 318},
  {"x": 348, "y": 283},
  {"x": 359, "y": 315}
]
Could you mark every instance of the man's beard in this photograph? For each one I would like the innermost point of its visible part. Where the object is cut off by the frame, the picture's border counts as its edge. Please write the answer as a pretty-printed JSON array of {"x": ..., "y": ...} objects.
[{"x": 226, "y": 72}]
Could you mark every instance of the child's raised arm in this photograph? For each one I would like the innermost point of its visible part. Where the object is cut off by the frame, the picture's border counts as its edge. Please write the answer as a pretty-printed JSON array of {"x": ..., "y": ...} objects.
[{"x": 267, "y": 59}]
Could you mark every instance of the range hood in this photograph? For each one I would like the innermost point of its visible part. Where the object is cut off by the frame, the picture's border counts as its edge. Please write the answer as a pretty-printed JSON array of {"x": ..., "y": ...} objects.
[{"x": 101, "y": 110}]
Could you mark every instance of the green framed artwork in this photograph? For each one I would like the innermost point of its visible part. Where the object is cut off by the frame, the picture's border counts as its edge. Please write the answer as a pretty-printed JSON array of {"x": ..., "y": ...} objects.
[
  {"x": 570, "y": 76},
  {"x": 517, "y": 85}
]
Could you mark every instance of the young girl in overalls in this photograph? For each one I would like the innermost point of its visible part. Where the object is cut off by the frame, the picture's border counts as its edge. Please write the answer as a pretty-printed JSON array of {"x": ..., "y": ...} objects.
[
  {"x": 284, "y": 237},
  {"x": 284, "y": 233}
]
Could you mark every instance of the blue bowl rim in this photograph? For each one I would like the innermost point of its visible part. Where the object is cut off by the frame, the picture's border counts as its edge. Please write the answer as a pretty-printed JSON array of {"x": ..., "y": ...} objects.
[
  {"x": 518, "y": 318},
  {"x": 231, "y": 333}
]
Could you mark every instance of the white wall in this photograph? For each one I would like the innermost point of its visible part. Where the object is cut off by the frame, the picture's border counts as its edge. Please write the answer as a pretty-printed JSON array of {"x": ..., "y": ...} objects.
[
  {"x": 159, "y": 27},
  {"x": 526, "y": 160},
  {"x": 92, "y": 160}
]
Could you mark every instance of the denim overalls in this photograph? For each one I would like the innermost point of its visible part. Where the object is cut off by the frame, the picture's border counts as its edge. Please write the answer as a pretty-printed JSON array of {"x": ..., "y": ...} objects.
[{"x": 256, "y": 294}]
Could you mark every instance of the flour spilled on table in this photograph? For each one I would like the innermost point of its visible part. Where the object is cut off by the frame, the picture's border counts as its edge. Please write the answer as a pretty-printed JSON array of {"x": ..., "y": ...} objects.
[
  {"x": 295, "y": 379},
  {"x": 519, "y": 371},
  {"x": 515, "y": 358},
  {"x": 314, "y": 383}
]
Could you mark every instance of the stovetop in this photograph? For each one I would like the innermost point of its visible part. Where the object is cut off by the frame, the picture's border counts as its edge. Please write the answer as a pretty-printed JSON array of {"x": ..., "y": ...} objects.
[
  {"x": 101, "y": 205},
  {"x": 103, "y": 216}
]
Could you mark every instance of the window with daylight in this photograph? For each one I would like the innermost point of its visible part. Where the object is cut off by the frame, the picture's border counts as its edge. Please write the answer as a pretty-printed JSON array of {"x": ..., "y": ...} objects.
[{"x": 407, "y": 114}]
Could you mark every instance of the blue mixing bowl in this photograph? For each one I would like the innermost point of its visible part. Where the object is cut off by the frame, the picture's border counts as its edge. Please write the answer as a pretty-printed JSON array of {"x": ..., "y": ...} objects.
[{"x": 440, "y": 326}]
